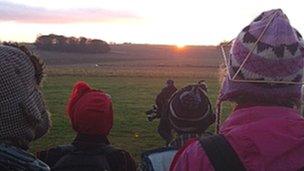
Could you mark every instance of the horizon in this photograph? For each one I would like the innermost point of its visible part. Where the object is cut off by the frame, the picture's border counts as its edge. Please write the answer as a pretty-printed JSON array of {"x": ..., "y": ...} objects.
[{"x": 190, "y": 22}]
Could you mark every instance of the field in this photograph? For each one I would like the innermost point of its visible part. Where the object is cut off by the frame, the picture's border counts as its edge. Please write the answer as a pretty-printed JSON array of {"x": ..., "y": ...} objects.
[{"x": 132, "y": 75}]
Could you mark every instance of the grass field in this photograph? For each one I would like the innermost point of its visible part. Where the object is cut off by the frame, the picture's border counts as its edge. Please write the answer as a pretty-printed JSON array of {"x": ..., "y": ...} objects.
[{"x": 133, "y": 88}]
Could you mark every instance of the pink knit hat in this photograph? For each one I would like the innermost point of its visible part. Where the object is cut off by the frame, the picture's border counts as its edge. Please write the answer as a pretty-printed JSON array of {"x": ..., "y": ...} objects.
[{"x": 270, "y": 50}]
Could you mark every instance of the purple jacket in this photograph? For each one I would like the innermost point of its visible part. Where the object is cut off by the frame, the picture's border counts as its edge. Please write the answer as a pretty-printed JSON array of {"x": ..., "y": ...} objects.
[{"x": 265, "y": 138}]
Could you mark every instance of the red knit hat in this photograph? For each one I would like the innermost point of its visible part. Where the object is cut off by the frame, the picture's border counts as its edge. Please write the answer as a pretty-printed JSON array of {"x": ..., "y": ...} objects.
[{"x": 90, "y": 110}]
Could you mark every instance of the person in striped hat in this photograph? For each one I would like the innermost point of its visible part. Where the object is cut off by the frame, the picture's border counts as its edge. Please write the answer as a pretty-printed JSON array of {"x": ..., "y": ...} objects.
[
  {"x": 264, "y": 77},
  {"x": 190, "y": 113}
]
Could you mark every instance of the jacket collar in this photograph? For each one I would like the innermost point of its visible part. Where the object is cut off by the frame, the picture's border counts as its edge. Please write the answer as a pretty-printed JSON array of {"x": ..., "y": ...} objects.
[
  {"x": 90, "y": 141},
  {"x": 248, "y": 105}
]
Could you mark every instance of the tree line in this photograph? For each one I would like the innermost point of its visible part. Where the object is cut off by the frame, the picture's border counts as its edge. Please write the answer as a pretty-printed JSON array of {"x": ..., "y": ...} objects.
[{"x": 61, "y": 43}]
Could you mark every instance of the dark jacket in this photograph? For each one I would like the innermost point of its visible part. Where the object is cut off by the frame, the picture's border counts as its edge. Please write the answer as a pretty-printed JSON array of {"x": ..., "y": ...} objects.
[
  {"x": 164, "y": 127},
  {"x": 118, "y": 160}
]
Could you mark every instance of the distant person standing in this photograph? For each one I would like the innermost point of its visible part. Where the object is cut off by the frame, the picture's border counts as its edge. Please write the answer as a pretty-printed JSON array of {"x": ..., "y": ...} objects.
[
  {"x": 91, "y": 114},
  {"x": 265, "y": 130},
  {"x": 162, "y": 99},
  {"x": 23, "y": 114}
]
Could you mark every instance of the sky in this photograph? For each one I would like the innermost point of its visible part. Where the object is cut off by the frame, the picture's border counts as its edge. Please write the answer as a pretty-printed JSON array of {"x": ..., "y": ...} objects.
[{"x": 177, "y": 22}]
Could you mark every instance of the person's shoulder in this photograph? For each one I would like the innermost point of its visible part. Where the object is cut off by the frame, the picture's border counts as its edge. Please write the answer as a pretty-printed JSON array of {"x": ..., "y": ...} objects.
[
  {"x": 52, "y": 155},
  {"x": 181, "y": 152},
  {"x": 15, "y": 158},
  {"x": 62, "y": 149},
  {"x": 111, "y": 150},
  {"x": 119, "y": 159},
  {"x": 191, "y": 157},
  {"x": 157, "y": 159}
]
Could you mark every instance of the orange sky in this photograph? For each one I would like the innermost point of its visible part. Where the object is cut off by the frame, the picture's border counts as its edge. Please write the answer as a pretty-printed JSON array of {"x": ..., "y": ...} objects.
[{"x": 139, "y": 21}]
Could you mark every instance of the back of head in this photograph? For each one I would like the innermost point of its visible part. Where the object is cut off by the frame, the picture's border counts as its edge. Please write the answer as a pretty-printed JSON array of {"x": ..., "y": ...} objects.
[
  {"x": 170, "y": 82},
  {"x": 265, "y": 62},
  {"x": 23, "y": 113},
  {"x": 90, "y": 110},
  {"x": 191, "y": 110}
]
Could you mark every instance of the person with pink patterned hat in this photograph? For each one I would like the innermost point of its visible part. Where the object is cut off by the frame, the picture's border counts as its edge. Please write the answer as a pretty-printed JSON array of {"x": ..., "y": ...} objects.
[{"x": 264, "y": 78}]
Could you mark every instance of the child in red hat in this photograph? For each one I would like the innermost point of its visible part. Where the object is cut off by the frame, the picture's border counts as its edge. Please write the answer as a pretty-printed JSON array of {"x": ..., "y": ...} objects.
[{"x": 91, "y": 115}]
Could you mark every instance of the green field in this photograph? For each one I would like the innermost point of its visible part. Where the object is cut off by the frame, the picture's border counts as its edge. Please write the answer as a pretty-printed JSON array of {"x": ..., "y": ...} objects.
[{"x": 133, "y": 90}]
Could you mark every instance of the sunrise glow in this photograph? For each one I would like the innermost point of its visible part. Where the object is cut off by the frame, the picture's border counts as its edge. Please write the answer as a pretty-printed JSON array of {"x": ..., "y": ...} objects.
[
  {"x": 192, "y": 22},
  {"x": 180, "y": 46}
]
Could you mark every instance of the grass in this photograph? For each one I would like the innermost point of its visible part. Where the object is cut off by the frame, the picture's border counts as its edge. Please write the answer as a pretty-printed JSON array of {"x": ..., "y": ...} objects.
[
  {"x": 132, "y": 96},
  {"x": 138, "y": 71}
]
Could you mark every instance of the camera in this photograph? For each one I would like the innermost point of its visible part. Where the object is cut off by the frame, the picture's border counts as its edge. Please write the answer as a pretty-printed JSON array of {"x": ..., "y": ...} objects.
[{"x": 152, "y": 113}]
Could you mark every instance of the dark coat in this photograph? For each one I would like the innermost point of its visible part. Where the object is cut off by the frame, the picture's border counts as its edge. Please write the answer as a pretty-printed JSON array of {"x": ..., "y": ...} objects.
[
  {"x": 118, "y": 160},
  {"x": 162, "y": 99}
]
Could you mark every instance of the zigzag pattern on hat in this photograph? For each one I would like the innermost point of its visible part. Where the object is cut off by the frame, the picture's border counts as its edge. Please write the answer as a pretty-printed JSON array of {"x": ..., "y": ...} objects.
[
  {"x": 278, "y": 50},
  {"x": 278, "y": 55},
  {"x": 277, "y": 59}
]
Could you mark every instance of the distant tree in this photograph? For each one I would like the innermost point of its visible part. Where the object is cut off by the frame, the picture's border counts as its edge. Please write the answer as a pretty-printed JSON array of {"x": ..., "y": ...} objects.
[
  {"x": 97, "y": 45},
  {"x": 61, "y": 43},
  {"x": 43, "y": 42},
  {"x": 83, "y": 40},
  {"x": 112, "y": 43}
]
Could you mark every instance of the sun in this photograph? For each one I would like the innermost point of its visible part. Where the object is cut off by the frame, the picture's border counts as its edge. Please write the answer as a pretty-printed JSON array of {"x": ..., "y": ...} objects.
[{"x": 180, "y": 46}]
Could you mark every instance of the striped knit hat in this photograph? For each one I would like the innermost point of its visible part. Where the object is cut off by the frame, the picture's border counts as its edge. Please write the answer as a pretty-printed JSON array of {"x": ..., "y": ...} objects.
[
  {"x": 270, "y": 50},
  {"x": 191, "y": 110},
  {"x": 276, "y": 57}
]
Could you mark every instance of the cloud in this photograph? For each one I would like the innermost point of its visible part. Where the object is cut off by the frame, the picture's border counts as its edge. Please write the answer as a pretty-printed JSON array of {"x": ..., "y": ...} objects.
[{"x": 28, "y": 14}]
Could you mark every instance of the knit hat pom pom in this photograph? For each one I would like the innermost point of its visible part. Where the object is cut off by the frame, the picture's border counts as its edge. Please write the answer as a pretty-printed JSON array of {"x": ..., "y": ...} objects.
[{"x": 79, "y": 89}]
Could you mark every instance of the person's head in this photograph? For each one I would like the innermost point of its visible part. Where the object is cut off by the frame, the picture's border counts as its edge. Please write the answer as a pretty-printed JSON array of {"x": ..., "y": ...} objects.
[
  {"x": 90, "y": 111},
  {"x": 23, "y": 114},
  {"x": 169, "y": 83},
  {"x": 265, "y": 63},
  {"x": 191, "y": 110}
]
